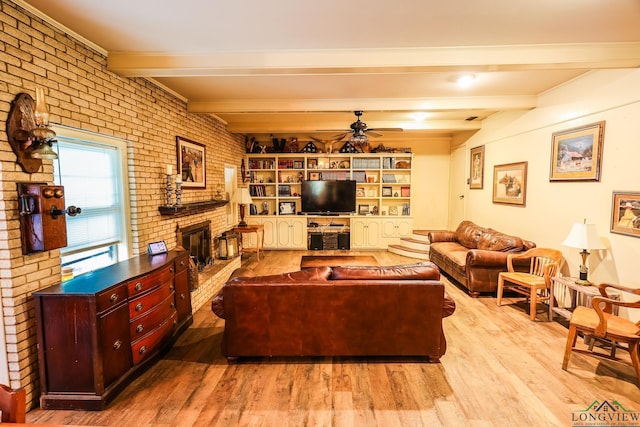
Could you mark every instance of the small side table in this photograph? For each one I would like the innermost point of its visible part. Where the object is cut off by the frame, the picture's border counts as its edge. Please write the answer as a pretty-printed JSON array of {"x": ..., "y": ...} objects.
[
  {"x": 253, "y": 228},
  {"x": 574, "y": 289}
]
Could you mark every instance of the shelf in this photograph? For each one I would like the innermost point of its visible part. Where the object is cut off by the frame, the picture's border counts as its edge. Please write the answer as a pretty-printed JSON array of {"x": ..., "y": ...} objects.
[{"x": 191, "y": 208}]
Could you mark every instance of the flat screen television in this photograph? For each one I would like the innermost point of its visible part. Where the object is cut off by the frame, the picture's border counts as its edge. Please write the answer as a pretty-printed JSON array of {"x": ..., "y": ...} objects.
[{"x": 328, "y": 197}]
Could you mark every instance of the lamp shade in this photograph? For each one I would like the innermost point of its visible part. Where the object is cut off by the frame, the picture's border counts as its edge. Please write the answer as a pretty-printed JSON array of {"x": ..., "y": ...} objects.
[
  {"x": 242, "y": 196},
  {"x": 583, "y": 236}
]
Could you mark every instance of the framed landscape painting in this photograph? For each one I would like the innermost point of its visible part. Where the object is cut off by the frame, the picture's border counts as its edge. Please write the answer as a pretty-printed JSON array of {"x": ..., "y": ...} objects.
[
  {"x": 191, "y": 163},
  {"x": 510, "y": 183},
  {"x": 625, "y": 213},
  {"x": 476, "y": 169},
  {"x": 576, "y": 154}
]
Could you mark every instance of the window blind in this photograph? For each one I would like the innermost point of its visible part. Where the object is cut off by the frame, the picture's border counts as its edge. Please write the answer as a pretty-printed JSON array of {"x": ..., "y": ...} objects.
[{"x": 90, "y": 174}]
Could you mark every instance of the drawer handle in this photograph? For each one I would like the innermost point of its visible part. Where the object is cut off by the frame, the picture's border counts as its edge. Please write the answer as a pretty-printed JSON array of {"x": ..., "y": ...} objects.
[
  {"x": 140, "y": 328},
  {"x": 139, "y": 306},
  {"x": 181, "y": 263},
  {"x": 171, "y": 269},
  {"x": 173, "y": 304},
  {"x": 138, "y": 286},
  {"x": 117, "y": 345},
  {"x": 171, "y": 287},
  {"x": 113, "y": 298},
  {"x": 182, "y": 296},
  {"x": 143, "y": 349}
]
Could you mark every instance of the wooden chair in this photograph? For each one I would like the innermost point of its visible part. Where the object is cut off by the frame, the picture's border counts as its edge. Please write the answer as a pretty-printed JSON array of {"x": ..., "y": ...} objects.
[
  {"x": 544, "y": 265},
  {"x": 600, "y": 321},
  {"x": 12, "y": 404}
]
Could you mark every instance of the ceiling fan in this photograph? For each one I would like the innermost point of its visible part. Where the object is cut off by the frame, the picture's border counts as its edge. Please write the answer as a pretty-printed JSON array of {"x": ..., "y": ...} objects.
[
  {"x": 360, "y": 128},
  {"x": 358, "y": 133}
]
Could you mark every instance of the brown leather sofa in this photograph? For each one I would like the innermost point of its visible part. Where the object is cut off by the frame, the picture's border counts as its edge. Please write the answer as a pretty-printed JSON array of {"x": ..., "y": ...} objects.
[
  {"x": 340, "y": 311},
  {"x": 474, "y": 255}
]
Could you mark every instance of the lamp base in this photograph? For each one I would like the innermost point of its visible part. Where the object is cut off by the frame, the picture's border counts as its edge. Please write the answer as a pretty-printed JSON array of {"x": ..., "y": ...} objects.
[
  {"x": 242, "y": 224},
  {"x": 583, "y": 282}
]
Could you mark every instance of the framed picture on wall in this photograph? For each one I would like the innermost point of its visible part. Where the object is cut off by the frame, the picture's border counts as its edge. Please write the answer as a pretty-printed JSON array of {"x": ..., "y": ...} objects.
[
  {"x": 625, "y": 213},
  {"x": 510, "y": 183},
  {"x": 476, "y": 168},
  {"x": 192, "y": 165},
  {"x": 576, "y": 154}
]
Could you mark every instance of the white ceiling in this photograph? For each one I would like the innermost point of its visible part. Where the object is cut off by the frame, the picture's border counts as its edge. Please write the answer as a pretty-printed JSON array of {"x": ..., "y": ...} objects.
[{"x": 291, "y": 67}]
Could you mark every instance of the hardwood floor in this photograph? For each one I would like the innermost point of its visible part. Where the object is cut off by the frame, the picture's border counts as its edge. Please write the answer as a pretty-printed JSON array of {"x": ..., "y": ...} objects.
[{"x": 500, "y": 369}]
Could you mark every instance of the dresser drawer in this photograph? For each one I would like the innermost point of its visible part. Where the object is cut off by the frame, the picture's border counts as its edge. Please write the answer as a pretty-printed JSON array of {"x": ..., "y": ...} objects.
[
  {"x": 182, "y": 262},
  {"x": 145, "y": 323},
  {"x": 111, "y": 298},
  {"x": 143, "y": 284},
  {"x": 140, "y": 305},
  {"x": 149, "y": 344}
]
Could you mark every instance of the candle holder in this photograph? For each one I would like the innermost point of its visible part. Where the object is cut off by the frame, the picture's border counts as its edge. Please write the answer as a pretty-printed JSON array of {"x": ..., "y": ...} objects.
[
  {"x": 178, "y": 192},
  {"x": 169, "y": 190}
]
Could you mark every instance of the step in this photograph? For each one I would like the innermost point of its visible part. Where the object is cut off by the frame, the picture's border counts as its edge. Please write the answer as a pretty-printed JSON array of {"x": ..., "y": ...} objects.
[
  {"x": 408, "y": 252},
  {"x": 410, "y": 242},
  {"x": 421, "y": 235}
]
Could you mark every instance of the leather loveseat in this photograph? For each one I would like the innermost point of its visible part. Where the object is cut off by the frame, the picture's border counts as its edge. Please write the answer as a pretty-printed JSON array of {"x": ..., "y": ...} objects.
[
  {"x": 340, "y": 311},
  {"x": 474, "y": 255}
]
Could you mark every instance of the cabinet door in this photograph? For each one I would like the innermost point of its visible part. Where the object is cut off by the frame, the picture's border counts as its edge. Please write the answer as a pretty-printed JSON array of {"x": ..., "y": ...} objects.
[
  {"x": 292, "y": 233},
  {"x": 404, "y": 227},
  {"x": 269, "y": 232},
  {"x": 365, "y": 233},
  {"x": 359, "y": 230},
  {"x": 373, "y": 234},
  {"x": 182, "y": 295},
  {"x": 388, "y": 228},
  {"x": 298, "y": 230},
  {"x": 113, "y": 333}
]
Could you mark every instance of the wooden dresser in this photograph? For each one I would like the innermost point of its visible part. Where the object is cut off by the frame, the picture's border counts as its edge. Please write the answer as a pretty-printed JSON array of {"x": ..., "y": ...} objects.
[{"x": 98, "y": 331}]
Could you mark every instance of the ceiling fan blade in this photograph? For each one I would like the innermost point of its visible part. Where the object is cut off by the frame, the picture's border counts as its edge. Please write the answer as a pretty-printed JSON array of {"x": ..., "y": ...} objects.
[
  {"x": 339, "y": 136},
  {"x": 386, "y": 130},
  {"x": 373, "y": 133}
]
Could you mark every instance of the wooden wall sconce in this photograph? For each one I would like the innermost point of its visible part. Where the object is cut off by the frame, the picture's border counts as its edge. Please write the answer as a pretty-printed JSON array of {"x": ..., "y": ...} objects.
[
  {"x": 28, "y": 131},
  {"x": 42, "y": 223}
]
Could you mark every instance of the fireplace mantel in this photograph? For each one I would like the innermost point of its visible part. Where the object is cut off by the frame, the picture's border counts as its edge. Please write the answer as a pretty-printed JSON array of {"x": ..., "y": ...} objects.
[{"x": 191, "y": 208}]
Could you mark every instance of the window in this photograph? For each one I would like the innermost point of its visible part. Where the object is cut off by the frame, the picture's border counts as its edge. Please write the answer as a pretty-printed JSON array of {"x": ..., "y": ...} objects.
[{"x": 91, "y": 169}]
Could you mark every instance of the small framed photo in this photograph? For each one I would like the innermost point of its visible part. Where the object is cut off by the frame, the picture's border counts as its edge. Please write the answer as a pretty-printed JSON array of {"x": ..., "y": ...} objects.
[
  {"x": 393, "y": 210},
  {"x": 625, "y": 213},
  {"x": 384, "y": 210},
  {"x": 287, "y": 208},
  {"x": 155, "y": 248},
  {"x": 476, "y": 172},
  {"x": 405, "y": 191},
  {"x": 387, "y": 191},
  {"x": 192, "y": 166},
  {"x": 312, "y": 163},
  {"x": 360, "y": 192},
  {"x": 363, "y": 209},
  {"x": 315, "y": 176},
  {"x": 510, "y": 183},
  {"x": 576, "y": 154}
]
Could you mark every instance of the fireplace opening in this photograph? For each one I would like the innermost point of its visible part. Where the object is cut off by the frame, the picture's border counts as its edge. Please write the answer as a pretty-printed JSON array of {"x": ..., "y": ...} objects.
[{"x": 196, "y": 239}]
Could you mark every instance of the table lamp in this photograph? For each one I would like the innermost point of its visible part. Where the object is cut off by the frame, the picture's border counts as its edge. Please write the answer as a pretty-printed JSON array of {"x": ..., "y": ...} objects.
[
  {"x": 583, "y": 236},
  {"x": 242, "y": 197}
]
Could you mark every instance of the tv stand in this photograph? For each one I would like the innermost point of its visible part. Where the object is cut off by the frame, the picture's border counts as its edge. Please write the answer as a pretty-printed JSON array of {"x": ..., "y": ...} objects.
[{"x": 329, "y": 234}]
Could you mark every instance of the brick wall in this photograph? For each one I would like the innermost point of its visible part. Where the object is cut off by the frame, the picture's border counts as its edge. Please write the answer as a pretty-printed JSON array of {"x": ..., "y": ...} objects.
[{"x": 82, "y": 94}]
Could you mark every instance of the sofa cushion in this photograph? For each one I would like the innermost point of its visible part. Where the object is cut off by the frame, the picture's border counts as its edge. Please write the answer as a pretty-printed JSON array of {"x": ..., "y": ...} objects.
[
  {"x": 305, "y": 275},
  {"x": 468, "y": 234},
  {"x": 493, "y": 240},
  {"x": 418, "y": 271},
  {"x": 246, "y": 274}
]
